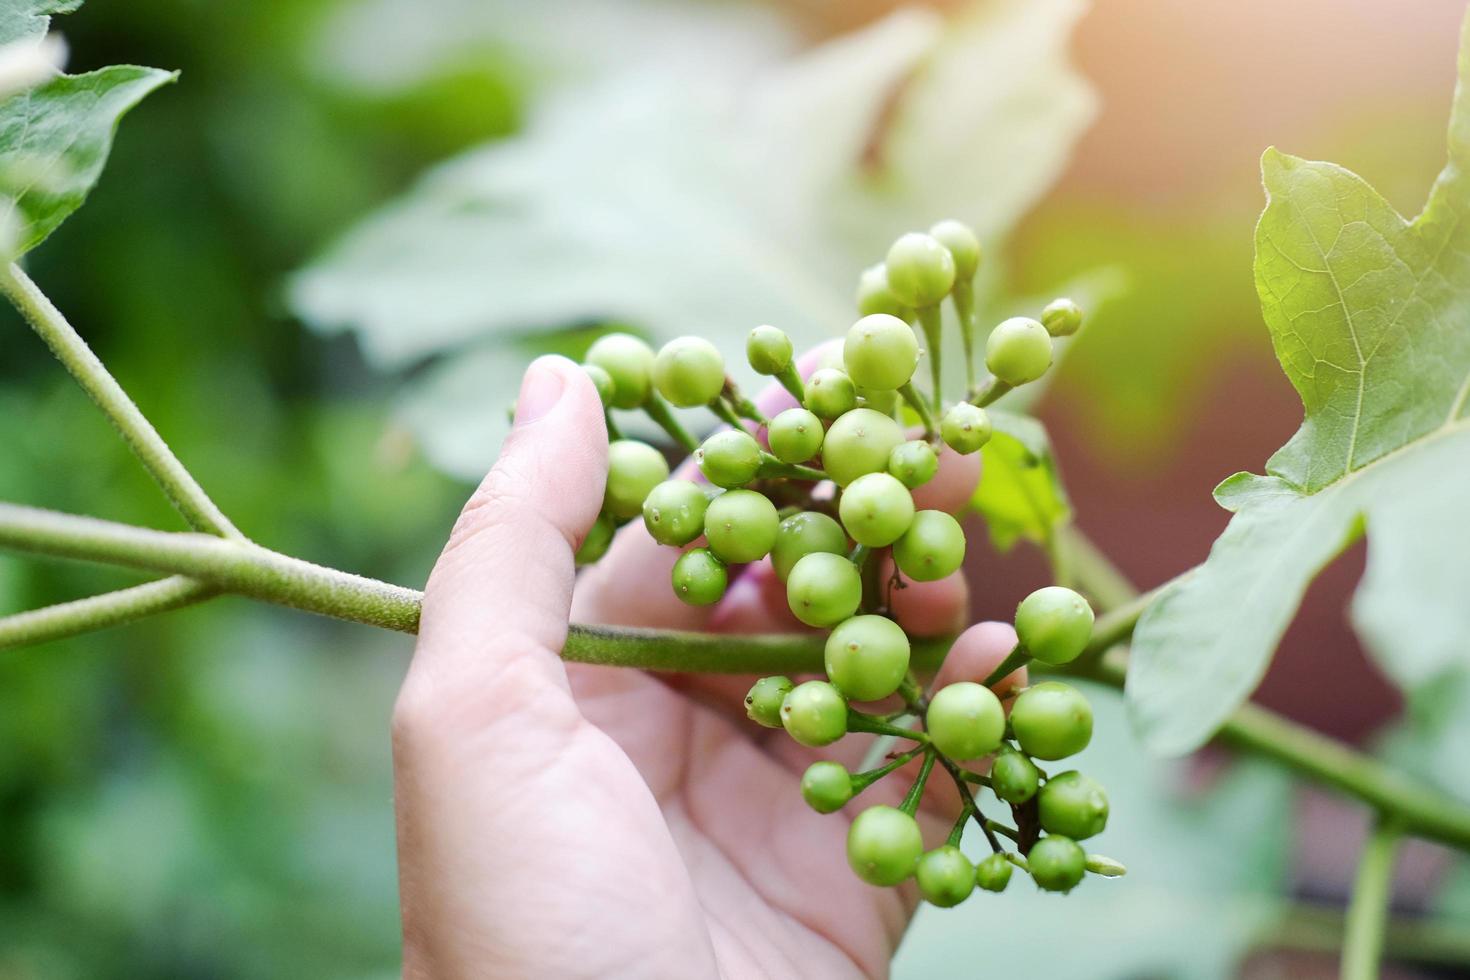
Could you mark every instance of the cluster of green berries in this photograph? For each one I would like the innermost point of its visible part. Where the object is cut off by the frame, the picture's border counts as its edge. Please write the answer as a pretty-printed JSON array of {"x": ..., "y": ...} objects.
[{"x": 824, "y": 490}]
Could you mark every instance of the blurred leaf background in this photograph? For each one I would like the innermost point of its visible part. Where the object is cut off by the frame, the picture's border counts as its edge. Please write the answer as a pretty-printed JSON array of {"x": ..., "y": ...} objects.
[{"x": 441, "y": 189}]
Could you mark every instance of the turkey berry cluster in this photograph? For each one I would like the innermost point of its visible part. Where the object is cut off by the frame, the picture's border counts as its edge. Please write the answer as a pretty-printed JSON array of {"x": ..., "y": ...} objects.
[{"x": 824, "y": 490}]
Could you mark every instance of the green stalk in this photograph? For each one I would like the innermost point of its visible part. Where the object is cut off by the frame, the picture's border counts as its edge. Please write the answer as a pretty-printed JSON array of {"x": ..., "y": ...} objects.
[
  {"x": 963, "y": 296},
  {"x": 862, "y": 780},
  {"x": 916, "y": 402},
  {"x": 791, "y": 381},
  {"x": 101, "y": 611},
  {"x": 1014, "y": 661},
  {"x": 663, "y": 416},
  {"x": 910, "y": 804},
  {"x": 991, "y": 390},
  {"x": 933, "y": 323},
  {"x": 1368, "y": 913}
]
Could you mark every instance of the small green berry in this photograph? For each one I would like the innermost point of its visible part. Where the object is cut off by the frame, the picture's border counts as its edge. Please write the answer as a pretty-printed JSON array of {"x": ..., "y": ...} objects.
[
  {"x": 599, "y": 537},
  {"x": 966, "y": 720},
  {"x": 993, "y": 873},
  {"x": 1018, "y": 350},
  {"x": 859, "y": 442},
  {"x": 963, "y": 247},
  {"x": 763, "y": 702},
  {"x": 803, "y": 534},
  {"x": 932, "y": 547},
  {"x": 674, "y": 510},
  {"x": 768, "y": 350},
  {"x": 700, "y": 578},
  {"x": 603, "y": 381},
  {"x": 1073, "y": 805},
  {"x": 1062, "y": 317},
  {"x": 874, "y": 296},
  {"x": 629, "y": 362},
  {"x": 885, "y": 402},
  {"x": 1052, "y": 720},
  {"x": 914, "y": 463},
  {"x": 795, "y": 435},
  {"x": 814, "y": 714},
  {"x": 880, "y": 352},
  {"x": 867, "y": 657},
  {"x": 876, "y": 509},
  {"x": 1054, "y": 624},
  {"x": 1014, "y": 777},
  {"x": 826, "y": 786},
  {"x": 965, "y": 428},
  {"x": 740, "y": 526},
  {"x": 689, "y": 371},
  {"x": 730, "y": 458},
  {"x": 633, "y": 470},
  {"x": 884, "y": 845},
  {"x": 920, "y": 270},
  {"x": 830, "y": 392},
  {"x": 945, "y": 876},
  {"x": 1057, "y": 863},
  {"x": 823, "y": 589}
]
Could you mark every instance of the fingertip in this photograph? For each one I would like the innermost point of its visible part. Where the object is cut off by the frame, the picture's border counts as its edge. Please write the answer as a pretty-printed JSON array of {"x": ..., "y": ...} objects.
[
  {"x": 977, "y": 652},
  {"x": 953, "y": 486},
  {"x": 938, "y": 608}
]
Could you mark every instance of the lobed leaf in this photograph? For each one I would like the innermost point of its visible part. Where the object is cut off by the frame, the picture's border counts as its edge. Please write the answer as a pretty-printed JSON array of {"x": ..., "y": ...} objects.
[{"x": 1020, "y": 494}]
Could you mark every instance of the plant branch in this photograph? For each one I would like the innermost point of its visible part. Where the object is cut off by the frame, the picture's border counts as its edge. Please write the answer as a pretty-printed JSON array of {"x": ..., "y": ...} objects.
[
  {"x": 101, "y": 611},
  {"x": 1368, "y": 913}
]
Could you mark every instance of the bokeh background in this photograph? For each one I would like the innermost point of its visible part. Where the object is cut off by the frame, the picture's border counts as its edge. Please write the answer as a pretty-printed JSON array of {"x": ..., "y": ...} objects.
[{"x": 329, "y": 338}]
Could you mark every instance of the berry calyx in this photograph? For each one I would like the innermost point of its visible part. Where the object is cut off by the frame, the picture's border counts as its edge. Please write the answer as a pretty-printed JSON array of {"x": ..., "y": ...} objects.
[
  {"x": 689, "y": 371},
  {"x": 965, "y": 428},
  {"x": 859, "y": 442},
  {"x": 603, "y": 382},
  {"x": 880, "y": 352},
  {"x": 823, "y": 589},
  {"x": 795, "y": 435},
  {"x": 884, "y": 845},
  {"x": 1013, "y": 777},
  {"x": 826, "y": 786},
  {"x": 674, "y": 510},
  {"x": 740, "y": 526},
  {"x": 874, "y": 296},
  {"x": 876, "y": 509},
  {"x": 921, "y": 271},
  {"x": 763, "y": 702},
  {"x": 963, "y": 247},
  {"x": 595, "y": 544},
  {"x": 1057, "y": 863},
  {"x": 1018, "y": 350},
  {"x": 1052, "y": 720},
  {"x": 1061, "y": 317},
  {"x": 914, "y": 463},
  {"x": 629, "y": 362},
  {"x": 830, "y": 392},
  {"x": 932, "y": 547},
  {"x": 993, "y": 873},
  {"x": 699, "y": 578},
  {"x": 1054, "y": 624},
  {"x": 803, "y": 534},
  {"x": 966, "y": 720},
  {"x": 633, "y": 470},
  {"x": 945, "y": 876},
  {"x": 1073, "y": 805},
  {"x": 866, "y": 657},
  {"x": 814, "y": 714},
  {"x": 768, "y": 350},
  {"x": 729, "y": 458}
]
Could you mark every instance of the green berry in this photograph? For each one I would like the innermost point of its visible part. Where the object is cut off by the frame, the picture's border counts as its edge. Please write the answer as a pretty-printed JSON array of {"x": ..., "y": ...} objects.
[
  {"x": 674, "y": 510},
  {"x": 867, "y": 657},
  {"x": 884, "y": 845},
  {"x": 1018, "y": 350},
  {"x": 1052, "y": 720},
  {"x": 826, "y": 786},
  {"x": 859, "y": 442},
  {"x": 963, "y": 247},
  {"x": 1062, "y": 317},
  {"x": 700, "y": 578},
  {"x": 1057, "y": 863},
  {"x": 830, "y": 392},
  {"x": 966, "y": 720},
  {"x": 914, "y": 463},
  {"x": 633, "y": 470},
  {"x": 874, "y": 296},
  {"x": 1073, "y": 805},
  {"x": 729, "y": 458},
  {"x": 814, "y": 714},
  {"x": 885, "y": 402},
  {"x": 689, "y": 371},
  {"x": 945, "y": 876},
  {"x": 740, "y": 526},
  {"x": 1054, "y": 624},
  {"x": 603, "y": 381},
  {"x": 763, "y": 702},
  {"x": 965, "y": 428},
  {"x": 629, "y": 362},
  {"x": 876, "y": 509},
  {"x": 920, "y": 270},
  {"x": 993, "y": 873},
  {"x": 1014, "y": 777},
  {"x": 768, "y": 350},
  {"x": 880, "y": 352},
  {"x": 932, "y": 547},
  {"x": 803, "y": 534},
  {"x": 795, "y": 435},
  {"x": 599, "y": 537},
  {"x": 823, "y": 589}
]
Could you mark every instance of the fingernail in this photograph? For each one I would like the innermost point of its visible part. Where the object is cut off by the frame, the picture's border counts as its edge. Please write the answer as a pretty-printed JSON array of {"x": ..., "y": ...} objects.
[{"x": 540, "y": 391}]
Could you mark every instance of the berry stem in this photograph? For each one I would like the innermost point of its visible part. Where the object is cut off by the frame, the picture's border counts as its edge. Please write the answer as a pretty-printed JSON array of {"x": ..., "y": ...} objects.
[
  {"x": 1367, "y": 914},
  {"x": 968, "y": 799},
  {"x": 910, "y": 804},
  {"x": 932, "y": 321},
  {"x": 726, "y": 413},
  {"x": 912, "y": 693},
  {"x": 773, "y": 467},
  {"x": 990, "y": 391},
  {"x": 1014, "y": 661},
  {"x": 916, "y": 402},
  {"x": 613, "y": 432},
  {"x": 791, "y": 381},
  {"x": 862, "y": 780},
  {"x": 963, "y": 296},
  {"x": 1000, "y": 828},
  {"x": 979, "y": 779},
  {"x": 743, "y": 406},
  {"x": 858, "y": 721},
  {"x": 663, "y": 416},
  {"x": 957, "y": 832}
]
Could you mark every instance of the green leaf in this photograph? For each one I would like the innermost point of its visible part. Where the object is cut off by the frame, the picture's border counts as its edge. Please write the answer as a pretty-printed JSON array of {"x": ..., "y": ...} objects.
[
  {"x": 54, "y": 142},
  {"x": 25, "y": 20},
  {"x": 1370, "y": 317},
  {"x": 1021, "y": 493}
]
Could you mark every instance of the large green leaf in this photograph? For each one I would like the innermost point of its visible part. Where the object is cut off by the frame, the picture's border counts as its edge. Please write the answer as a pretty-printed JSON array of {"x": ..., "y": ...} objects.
[
  {"x": 26, "y": 20},
  {"x": 1021, "y": 494},
  {"x": 1370, "y": 317}
]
